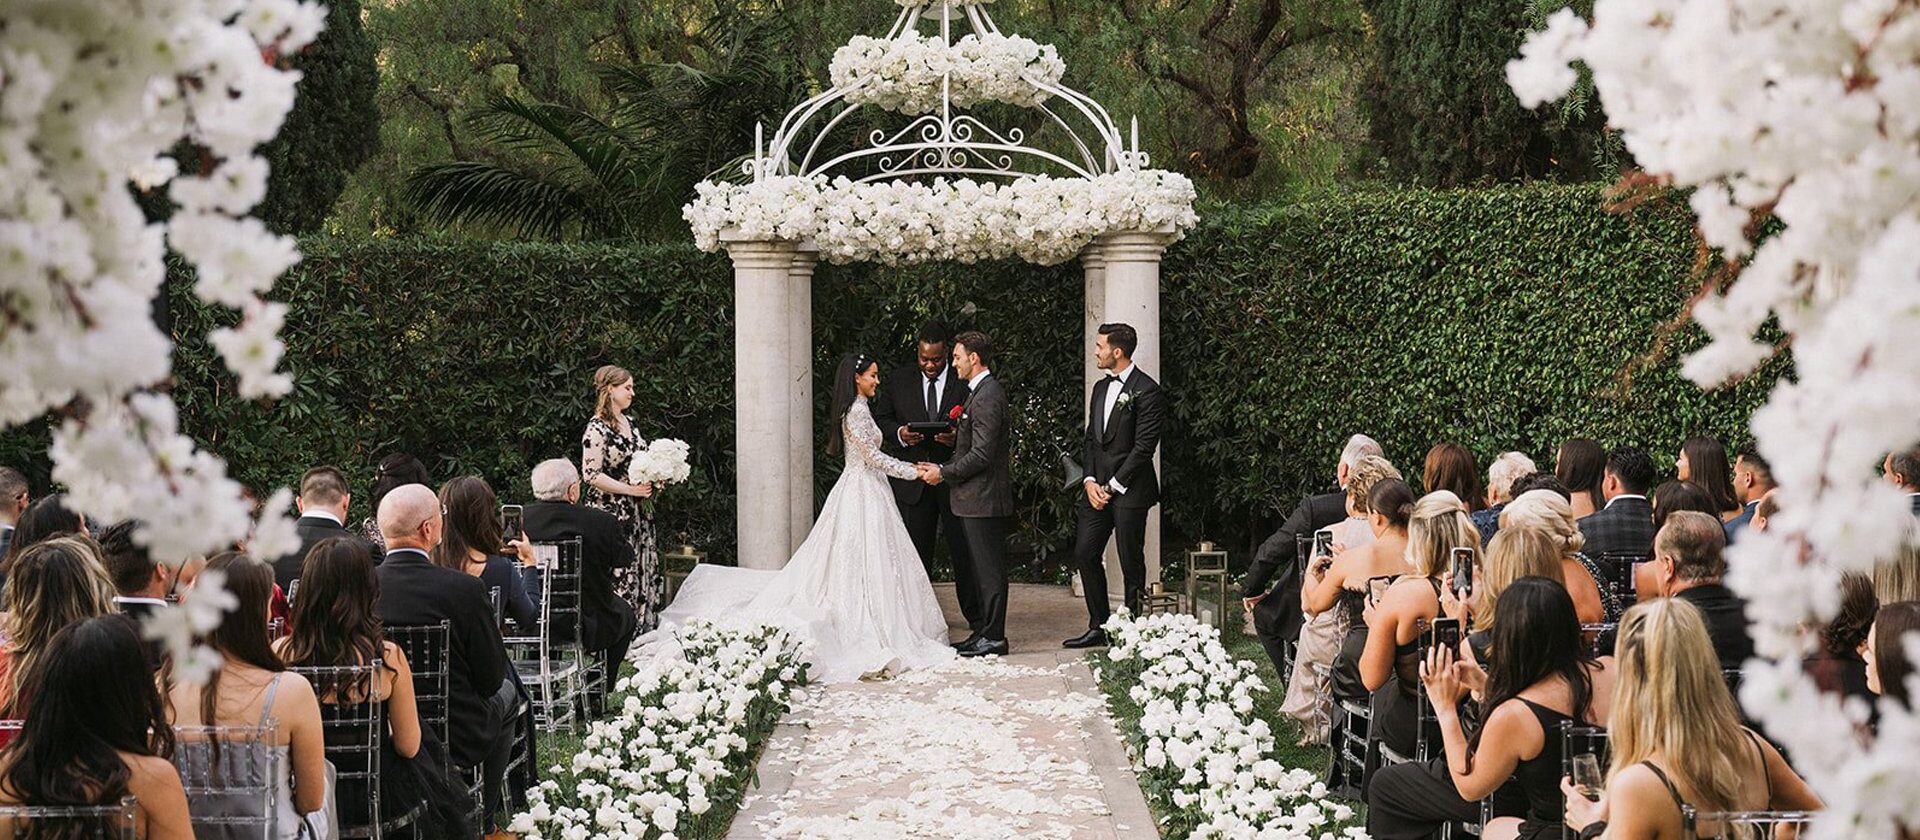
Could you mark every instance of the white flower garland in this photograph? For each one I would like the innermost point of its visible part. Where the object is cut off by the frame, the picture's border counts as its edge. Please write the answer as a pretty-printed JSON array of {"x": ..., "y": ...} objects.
[
  {"x": 905, "y": 74},
  {"x": 1038, "y": 219},
  {"x": 91, "y": 100},
  {"x": 1808, "y": 112},
  {"x": 1198, "y": 730},
  {"x": 681, "y": 730}
]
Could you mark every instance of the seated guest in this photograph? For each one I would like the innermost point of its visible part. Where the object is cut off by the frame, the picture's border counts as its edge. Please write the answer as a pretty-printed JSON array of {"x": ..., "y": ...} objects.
[
  {"x": 1888, "y": 665},
  {"x": 143, "y": 585},
  {"x": 99, "y": 734},
  {"x": 1275, "y": 601},
  {"x": 1625, "y": 526},
  {"x": 13, "y": 502},
  {"x": 1838, "y": 667},
  {"x": 1347, "y": 582},
  {"x": 1581, "y": 466},
  {"x": 1769, "y": 506},
  {"x": 1689, "y": 559},
  {"x": 1501, "y": 475},
  {"x": 1546, "y": 511},
  {"x": 1540, "y": 678},
  {"x": 1901, "y": 469},
  {"x": 396, "y": 470},
  {"x": 1516, "y": 553},
  {"x": 1752, "y": 481},
  {"x": 607, "y": 623},
  {"x": 335, "y": 627},
  {"x": 1674, "y": 496},
  {"x": 482, "y": 695},
  {"x": 43, "y": 520},
  {"x": 1897, "y": 578},
  {"x": 1703, "y": 461},
  {"x": 323, "y": 505},
  {"x": 1307, "y": 699},
  {"x": 1450, "y": 467},
  {"x": 1390, "y": 662},
  {"x": 252, "y": 689},
  {"x": 1676, "y": 738},
  {"x": 56, "y": 582},
  {"x": 473, "y": 545}
]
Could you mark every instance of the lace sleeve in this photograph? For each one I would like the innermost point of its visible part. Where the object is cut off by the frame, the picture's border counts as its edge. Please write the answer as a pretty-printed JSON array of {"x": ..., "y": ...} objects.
[
  {"x": 593, "y": 451},
  {"x": 863, "y": 442}
]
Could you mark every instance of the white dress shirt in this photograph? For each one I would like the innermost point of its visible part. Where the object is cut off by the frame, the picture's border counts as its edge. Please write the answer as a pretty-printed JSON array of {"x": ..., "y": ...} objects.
[
  {"x": 1106, "y": 416},
  {"x": 323, "y": 514},
  {"x": 939, "y": 397},
  {"x": 1625, "y": 496}
]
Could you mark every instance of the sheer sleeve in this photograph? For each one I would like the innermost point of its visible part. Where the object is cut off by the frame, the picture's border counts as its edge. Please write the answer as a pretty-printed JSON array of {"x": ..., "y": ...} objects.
[
  {"x": 863, "y": 442},
  {"x": 593, "y": 451}
]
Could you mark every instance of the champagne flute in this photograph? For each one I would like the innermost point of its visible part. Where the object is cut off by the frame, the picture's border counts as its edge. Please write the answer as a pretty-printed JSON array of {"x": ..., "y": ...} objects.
[{"x": 1586, "y": 776}]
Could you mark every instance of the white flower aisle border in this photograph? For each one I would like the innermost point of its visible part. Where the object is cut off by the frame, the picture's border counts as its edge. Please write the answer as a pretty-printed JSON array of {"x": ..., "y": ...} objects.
[
  {"x": 1806, "y": 113},
  {"x": 1199, "y": 749},
  {"x": 681, "y": 741},
  {"x": 1039, "y": 219},
  {"x": 904, "y": 74}
]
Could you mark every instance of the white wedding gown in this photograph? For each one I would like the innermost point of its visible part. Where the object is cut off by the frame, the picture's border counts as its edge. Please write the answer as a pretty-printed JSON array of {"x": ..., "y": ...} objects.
[{"x": 855, "y": 588}]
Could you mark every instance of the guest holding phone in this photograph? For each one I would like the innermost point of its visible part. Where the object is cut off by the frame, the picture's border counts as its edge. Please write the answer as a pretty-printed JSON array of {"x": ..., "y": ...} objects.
[{"x": 1439, "y": 537}]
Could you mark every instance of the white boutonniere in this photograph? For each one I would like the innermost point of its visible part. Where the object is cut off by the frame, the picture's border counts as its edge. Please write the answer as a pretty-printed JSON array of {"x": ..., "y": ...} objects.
[{"x": 1126, "y": 399}]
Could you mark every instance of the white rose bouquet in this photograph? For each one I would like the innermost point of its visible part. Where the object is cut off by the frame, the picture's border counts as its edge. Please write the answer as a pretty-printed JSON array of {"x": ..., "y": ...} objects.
[{"x": 663, "y": 462}]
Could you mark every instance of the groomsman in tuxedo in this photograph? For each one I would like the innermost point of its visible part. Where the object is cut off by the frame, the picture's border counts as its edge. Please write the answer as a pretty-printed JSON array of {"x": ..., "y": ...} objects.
[
  {"x": 927, "y": 391},
  {"x": 981, "y": 473},
  {"x": 1124, "y": 420}
]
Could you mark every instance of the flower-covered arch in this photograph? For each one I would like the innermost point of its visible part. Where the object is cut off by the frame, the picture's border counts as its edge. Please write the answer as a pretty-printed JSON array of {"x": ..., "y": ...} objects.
[{"x": 947, "y": 185}]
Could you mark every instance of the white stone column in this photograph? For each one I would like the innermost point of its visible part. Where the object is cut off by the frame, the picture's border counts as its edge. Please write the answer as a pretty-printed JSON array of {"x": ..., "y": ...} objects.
[
  {"x": 1095, "y": 263},
  {"x": 762, "y": 275},
  {"x": 1133, "y": 297},
  {"x": 799, "y": 353}
]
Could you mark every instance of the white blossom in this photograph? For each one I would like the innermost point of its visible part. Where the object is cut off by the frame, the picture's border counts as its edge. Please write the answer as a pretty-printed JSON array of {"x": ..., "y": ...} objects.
[{"x": 909, "y": 74}]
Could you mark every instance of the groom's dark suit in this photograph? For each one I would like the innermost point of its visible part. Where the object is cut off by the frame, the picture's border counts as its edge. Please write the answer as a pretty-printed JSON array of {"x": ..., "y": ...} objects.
[
  {"x": 904, "y": 399},
  {"x": 982, "y": 497},
  {"x": 1119, "y": 454}
]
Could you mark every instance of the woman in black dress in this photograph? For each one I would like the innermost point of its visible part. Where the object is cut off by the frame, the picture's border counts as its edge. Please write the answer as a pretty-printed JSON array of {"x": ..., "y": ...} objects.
[{"x": 606, "y": 448}]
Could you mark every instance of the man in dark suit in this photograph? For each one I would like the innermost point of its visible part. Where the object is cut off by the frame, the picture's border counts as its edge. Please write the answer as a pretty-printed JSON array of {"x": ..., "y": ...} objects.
[
  {"x": 13, "y": 502},
  {"x": 1902, "y": 470},
  {"x": 1276, "y": 604},
  {"x": 607, "y": 624},
  {"x": 1124, "y": 418},
  {"x": 982, "y": 492},
  {"x": 1752, "y": 481},
  {"x": 323, "y": 505},
  {"x": 140, "y": 585},
  {"x": 1689, "y": 559},
  {"x": 481, "y": 694},
  {"x": 924, "y": 392},
  {"x": 1624, "y": 528}
]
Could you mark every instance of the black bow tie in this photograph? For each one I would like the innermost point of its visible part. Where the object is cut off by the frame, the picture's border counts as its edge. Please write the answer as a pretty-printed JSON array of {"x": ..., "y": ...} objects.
[{"x": 1112, "y": 378}]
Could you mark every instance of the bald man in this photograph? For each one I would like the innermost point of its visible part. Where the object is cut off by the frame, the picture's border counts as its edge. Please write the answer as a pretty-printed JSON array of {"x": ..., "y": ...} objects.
[{"x": 481, "y": 696}]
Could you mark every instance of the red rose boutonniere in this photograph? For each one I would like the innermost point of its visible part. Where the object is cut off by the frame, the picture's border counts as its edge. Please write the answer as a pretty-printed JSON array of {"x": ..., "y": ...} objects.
[{"x": 955, "y": 414}]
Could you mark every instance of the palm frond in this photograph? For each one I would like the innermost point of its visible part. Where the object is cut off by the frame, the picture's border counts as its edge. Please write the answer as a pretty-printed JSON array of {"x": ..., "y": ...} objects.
[{"x": 467, "y": 192}]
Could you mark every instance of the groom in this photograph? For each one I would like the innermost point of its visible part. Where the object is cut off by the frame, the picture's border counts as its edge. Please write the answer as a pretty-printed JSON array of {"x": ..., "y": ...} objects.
[
  {"x": 982, "y": 491},
  {"x": 1123, "y": 429}
]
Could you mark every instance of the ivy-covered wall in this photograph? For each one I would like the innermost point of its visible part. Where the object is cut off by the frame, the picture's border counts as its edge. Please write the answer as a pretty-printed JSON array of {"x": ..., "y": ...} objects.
[{"x": 1502, "y": 319}]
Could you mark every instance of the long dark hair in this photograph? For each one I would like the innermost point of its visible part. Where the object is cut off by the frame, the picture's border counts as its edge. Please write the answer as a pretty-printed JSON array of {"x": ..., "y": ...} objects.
[
  {"x": 396, "y": 470},
  {"x": 95, "y": 702},
  {"x": 242, "y": 634},
  {"x": 1671, "y": 497},
  {"x": 844, "y": 393},
  {"x": 1536, "y": 635},
  {"x": 1890, "y": 660},
  {"x": 1450, "y": 466},
  {"x": 334, "y": 622},
  {"x": 1393, "y": 499},
  {"x": 1708, "y": 467},
  {"x": 473, "y": 522},
  {"x": 46, "y": 518},
  {"x": 1582, "y": 466}
]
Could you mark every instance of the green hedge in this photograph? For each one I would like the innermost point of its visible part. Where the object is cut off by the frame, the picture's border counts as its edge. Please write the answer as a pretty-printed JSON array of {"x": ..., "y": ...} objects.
[{"x": 1501, "y": 319}]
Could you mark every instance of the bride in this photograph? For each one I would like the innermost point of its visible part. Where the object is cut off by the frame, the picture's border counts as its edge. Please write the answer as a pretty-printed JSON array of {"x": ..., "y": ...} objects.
[{"x": 855, "y": 588}]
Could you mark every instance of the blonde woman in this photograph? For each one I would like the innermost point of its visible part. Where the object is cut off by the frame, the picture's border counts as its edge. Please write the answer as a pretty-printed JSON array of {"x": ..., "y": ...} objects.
[
  {"x": 1677, "y": 738},
  {"x": 1390, "y": 662},
  {"x": 1553, "y": 515},
  {"x": 54, "y": 583},
  {"x": 1307, "y": 700},
  {"x": 606, "y": 448}
]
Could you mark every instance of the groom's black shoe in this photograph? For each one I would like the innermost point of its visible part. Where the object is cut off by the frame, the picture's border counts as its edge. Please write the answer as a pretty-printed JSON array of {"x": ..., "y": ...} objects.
[
  {"x": 1092, "y": 638},
  {"x": 984, "y": 646},
  {"x": 968, "y": 642}
]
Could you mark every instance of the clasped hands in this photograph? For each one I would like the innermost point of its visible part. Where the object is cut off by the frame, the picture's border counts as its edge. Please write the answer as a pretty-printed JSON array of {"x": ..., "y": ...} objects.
[
  {"x": 929, "y": 473},
  {"x": 1098, "y": 494}
]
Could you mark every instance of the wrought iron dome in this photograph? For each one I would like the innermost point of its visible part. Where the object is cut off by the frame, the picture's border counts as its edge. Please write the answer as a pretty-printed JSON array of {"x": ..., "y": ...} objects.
[{"x": 946, "y": 141}]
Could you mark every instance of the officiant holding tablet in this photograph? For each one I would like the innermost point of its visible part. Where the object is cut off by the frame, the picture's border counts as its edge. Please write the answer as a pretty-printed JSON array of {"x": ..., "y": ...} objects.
[{"x": 916, "y": 409}]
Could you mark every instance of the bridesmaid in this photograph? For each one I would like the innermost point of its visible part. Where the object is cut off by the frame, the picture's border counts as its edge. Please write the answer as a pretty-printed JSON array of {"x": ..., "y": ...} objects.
[{"x": 605, "y": 450}]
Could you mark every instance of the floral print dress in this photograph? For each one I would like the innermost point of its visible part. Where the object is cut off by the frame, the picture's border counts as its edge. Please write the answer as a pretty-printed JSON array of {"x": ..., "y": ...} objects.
[{"x": 604, "y": 450}]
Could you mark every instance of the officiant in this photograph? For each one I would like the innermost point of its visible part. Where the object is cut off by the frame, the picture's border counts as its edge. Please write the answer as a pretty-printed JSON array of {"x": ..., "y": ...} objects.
[{"x": 927, "y": 392}]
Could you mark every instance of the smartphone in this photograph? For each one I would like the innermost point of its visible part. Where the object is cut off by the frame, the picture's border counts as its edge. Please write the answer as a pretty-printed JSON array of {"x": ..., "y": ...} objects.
[
  {"x": 510, "y": 523},
  {"x": 1377, "y": 588},
  {"x": 1445, "y": 633},
  {"x": 1462, "y": 572},
  {"x": 1322, "y": 543}
]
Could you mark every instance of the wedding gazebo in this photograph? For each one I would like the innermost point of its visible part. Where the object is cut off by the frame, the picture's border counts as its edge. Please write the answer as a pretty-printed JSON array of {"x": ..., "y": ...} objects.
[{"x": 947, "y": 186}]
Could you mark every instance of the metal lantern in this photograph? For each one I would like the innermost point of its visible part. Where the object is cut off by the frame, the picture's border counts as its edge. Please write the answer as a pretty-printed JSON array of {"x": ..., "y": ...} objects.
[
  {"x": 1207, "y": 584},
  {"x": 679, "y": 563},
  {"x": 1158, "y": 600}
]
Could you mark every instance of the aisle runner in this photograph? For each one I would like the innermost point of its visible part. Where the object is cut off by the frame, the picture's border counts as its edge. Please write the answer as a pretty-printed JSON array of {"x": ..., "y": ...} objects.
[{"x": 972, "y": 751}]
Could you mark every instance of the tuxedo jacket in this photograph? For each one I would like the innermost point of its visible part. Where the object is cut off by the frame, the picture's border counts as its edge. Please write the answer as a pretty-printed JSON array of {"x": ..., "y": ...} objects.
[
  {"x": 1120, "y": 448},
  {"x": 413, "y": 591},
  {"x": 1624, "y": 526},
  {"x": 981, "y": 472},
  {"x": 902, "y": 400},
  {"x": 313, "y": 529},
  {"x": 606, "y": 618}
]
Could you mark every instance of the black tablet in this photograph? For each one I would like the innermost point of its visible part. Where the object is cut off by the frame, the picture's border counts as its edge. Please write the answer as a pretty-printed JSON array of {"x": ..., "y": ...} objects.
[{"x": 933, "y": 427}]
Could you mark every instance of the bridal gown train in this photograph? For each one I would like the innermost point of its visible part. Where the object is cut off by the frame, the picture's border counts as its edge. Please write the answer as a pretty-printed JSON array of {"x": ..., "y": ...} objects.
[{"x": 855, "y": 588}]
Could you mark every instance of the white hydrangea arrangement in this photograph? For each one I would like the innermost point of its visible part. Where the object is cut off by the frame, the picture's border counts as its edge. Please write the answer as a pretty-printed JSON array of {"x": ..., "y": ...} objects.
[
  {"x": 1039, "y": 219},
  {"x": 1198, "y": 735},
  {"x": 664, "y": 461},
  {"x": 906, "y": 74},
  {"x": 1806, "y": 112},
  {"x": 679, "y": 741}
]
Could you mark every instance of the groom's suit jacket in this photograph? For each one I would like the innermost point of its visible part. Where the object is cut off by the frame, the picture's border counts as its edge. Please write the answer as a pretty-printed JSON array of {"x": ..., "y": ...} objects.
[
  {"x": 1120, "y": 448},
  {"x": 981, "y": 472},
  {"x": 903, "y": 400}
]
